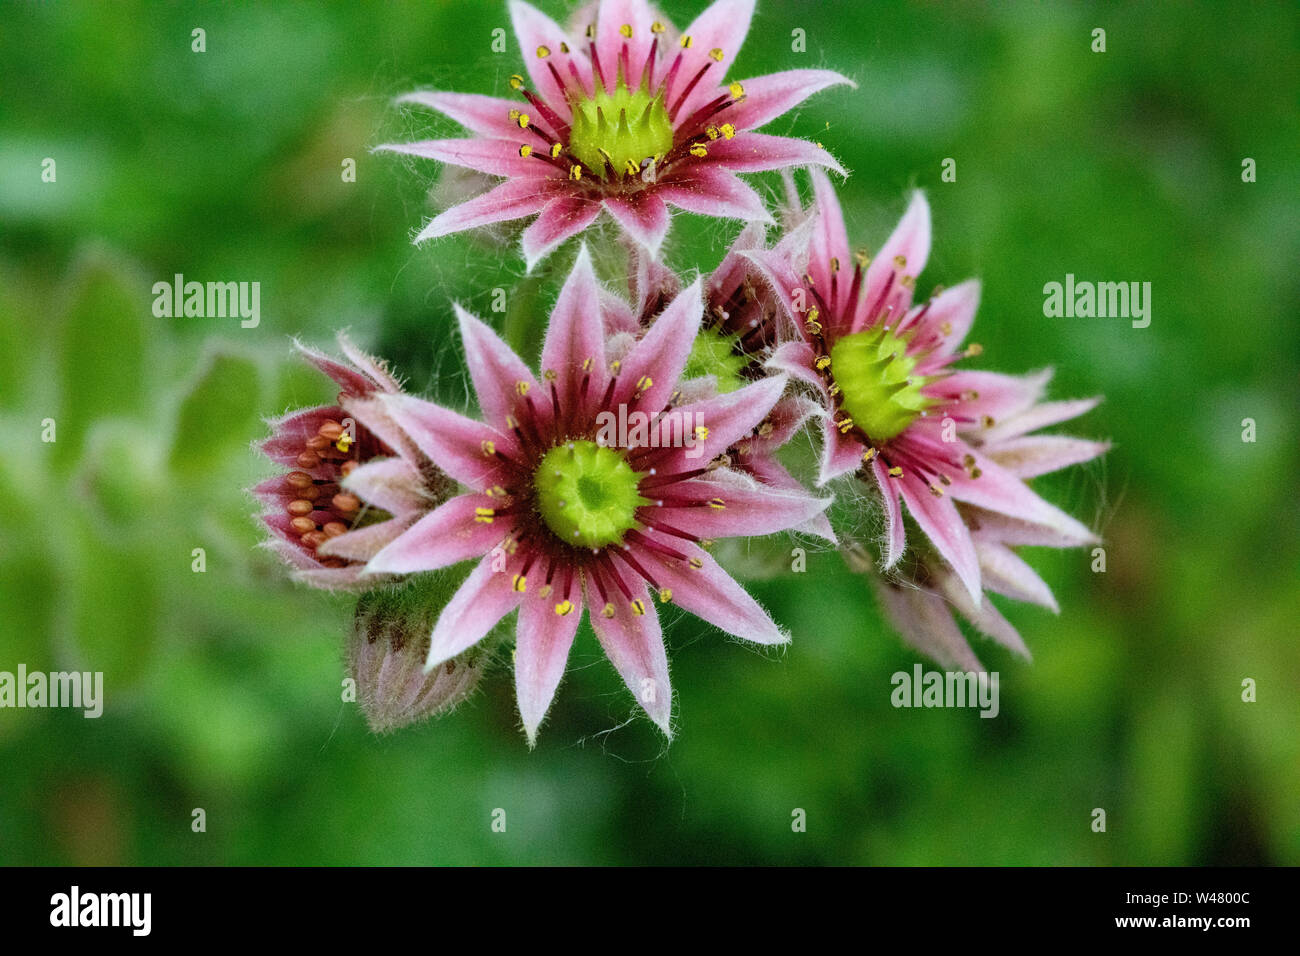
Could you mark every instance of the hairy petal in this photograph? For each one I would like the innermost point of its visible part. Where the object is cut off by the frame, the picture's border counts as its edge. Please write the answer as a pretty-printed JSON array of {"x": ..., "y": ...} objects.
[
  {"x": 447, "y": 535},
  {"x": 634, "y": 644},
  {"x": 484, "y": 598},
  {"x": 542, "y": 642},
  {"x": 494, "y": 368},
  {"x": 713, "y": 595},
  {"x": 769, "y": 96}
]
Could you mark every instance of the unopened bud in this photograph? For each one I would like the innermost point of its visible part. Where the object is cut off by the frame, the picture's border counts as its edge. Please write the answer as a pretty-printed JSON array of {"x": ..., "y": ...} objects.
[{"x": 386, "y": 655}]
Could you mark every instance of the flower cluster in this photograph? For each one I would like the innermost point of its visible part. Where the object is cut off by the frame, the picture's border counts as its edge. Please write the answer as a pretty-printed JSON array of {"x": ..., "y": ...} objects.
[{"x": 594, "y": 485}]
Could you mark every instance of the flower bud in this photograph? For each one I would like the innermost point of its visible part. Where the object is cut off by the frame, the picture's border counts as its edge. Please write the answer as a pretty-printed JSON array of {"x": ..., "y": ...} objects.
[{"x": 387, "y": 651}]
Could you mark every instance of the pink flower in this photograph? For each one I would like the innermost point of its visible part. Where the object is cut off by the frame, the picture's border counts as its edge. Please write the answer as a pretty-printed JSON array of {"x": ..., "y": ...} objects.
[
  {"x": 563, "y": 515},
  {"x": 897, "y": 412},
  {"x": 623, "y": 114},
  {"x": 739, "y": 329},
  {"x": 357, "y": 482}
]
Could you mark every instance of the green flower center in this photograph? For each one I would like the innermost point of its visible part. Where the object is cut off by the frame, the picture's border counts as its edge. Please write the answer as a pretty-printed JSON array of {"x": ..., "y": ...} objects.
[
  {"x": 877, "y": 387},
  {"x": 625, "y": 127},
  {"x": 714, "y": 354},
  {"x": 587, "y": 494}
]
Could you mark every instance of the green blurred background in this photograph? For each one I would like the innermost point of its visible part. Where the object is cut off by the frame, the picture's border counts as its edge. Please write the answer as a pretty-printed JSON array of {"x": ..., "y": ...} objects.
[{"x": 223, "y": 688}]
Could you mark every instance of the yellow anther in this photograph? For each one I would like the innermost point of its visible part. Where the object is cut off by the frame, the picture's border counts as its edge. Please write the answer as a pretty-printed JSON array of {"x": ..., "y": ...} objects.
[
  {"x": 496, "y": 491},
  {"x": 516, "y": 81},
  {"x": 823, "y": 363},
  {"x": 638, "y": 607},
  {"x": 862, "y": 258},
  {"x": 717, "y": 53},
  {"x": 737, "y": 91},
  {"x": 543, "y": 52},
  {"x": 550, "y": 375},
  {"x": 900, "y": 261},
  {"x": 520, "y": 583},
  {"x": 696, "y": 563},
  {"x": 525, "y": 150},
  {"x": 717, "y": 504},
  {"x": 699, "y": 149},
  {"x": 657, "y": 27},
  {"x": 522, "y": 388},
  {"x": 564, "y": 47},
  {"x": 564, "y": 608},
  {"x": 834, "y": 389},
  {"x": 687, "y": 42},
  {"x": 945, "y": 480},
  {"x": 631, "y": 168},
  {"x": 615, "y": 365},
  {"x": 986, "y": 421},
  {"x": 835, "y": 263},
  {"x": 514, "y": 115},
  {"x": 908, "y": 282},
  {"x": 936, "y": 491},
  {"x": 544, "y": 591},
  {"x": 869, "y": 454},
  {"x": 555, "y": 150},
  {"x": 974, "y": 349},
  {"x": 968, "y": 461},
  {"x": 844, "y": 424},
  {"x": 591, "y": 31},
  {"x": 587, "y": 364},
  {"x": 665, "y": 595},
  {"x": 974, "y": 473},
  {"x": 344, "y": 442},
  {"x": 712, "y": 132},
  {"x": 483, "y": 515},
  {"x": 701, "y": 433},
  {"x": 575, "y": 172},
  {"x": 488, "y": 447},
  {"x": 626, "y": 30},
  {"x": 945, "y": 328},
  {"x": 896, "y": 472},
  {"x": 643, "y": 383},
  {"x": 523, "y": 120},
  {"x": 728, "y": 131},
  {"x": 607, "y": 610}
]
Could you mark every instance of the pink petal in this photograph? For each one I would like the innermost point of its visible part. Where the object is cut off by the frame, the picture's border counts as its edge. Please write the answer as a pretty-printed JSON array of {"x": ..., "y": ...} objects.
[
  {"x": 911, "y": 240},
  {"x": 749, "y": 152},
  {"x": 771, "y": 472},
  {"x": 986, "y": 618},
  {"x": 634, "y": 644},
  {"x": 613, "y": 15},
  {"x": 445, "y": 536},
  {"x": 992, "y": 526},
  {"x": 841, "y": 454},
  {"x": 711, "y": 594},
  {"x": 1034, "y": 455},
  {"x": 393, "y": 484},
  {"x": 494, "y": 368},
  {"x": 721, "y": 26},
  {"x": 454, "y": 443},
  {"x": 562, "y": 217},
  {"x": 485, "y": 597},
  {"x": 575, "y": 337},
  {"x": 496, "y": 157},
  {"x": 713, "y": 191},
  {"x": 535, "y": 29},
  {"x": 796, "y": 360},
  {"x": 894, "y": 533},
  {"x": 513, "y": 199},
  {"x": 1040, "y": 416},
  {"x": 616, "y": 315},
  {"x": 542, "y": 641},
  {"x": 997, "y": 489},
  {"x": 643, "y": 217},
  {"x": 728, "y": 418},
  {"x": 485, "y": 115},
  {"x": 949, "y": 317},
  {"x": 996, "y": 395},
  {"x": 1005, "y": 572},
  {"x": 347, "y": 377},
  {"x": 362, "y": 544},
  {"x": 769, "y": 96},
  {"x": 373, "y": 368},
  {"x": 749, "y": 508},
  {"x": 830, "y": 240},
  {"x": 925, "y": 622},
  {"x": 938, "y": 518},
  {"x": 661, "y": 354},
  {"x": 289, "y": 432}
]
